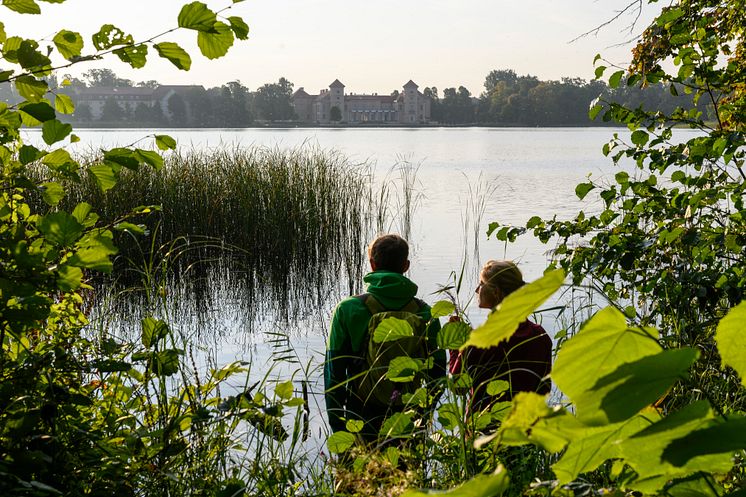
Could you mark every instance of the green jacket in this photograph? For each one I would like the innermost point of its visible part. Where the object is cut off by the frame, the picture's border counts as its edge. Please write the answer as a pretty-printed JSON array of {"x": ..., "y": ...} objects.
[{"x": 347, "y": 342}]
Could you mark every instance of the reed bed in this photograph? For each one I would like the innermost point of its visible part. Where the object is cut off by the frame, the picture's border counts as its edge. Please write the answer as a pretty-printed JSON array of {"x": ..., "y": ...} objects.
[{"x": 284, "y": 225}]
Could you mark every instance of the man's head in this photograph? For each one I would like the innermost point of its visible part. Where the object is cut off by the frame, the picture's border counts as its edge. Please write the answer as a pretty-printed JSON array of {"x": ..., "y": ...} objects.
[{"x": 389, "y": 253}]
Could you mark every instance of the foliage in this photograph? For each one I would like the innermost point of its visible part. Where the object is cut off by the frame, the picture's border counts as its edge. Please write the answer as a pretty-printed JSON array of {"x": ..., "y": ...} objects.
[{"x": 83, "y": 412}]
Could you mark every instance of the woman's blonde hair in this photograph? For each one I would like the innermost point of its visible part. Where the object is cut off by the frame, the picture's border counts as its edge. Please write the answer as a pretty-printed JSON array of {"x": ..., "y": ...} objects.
[{"x": 502, "y": 274}]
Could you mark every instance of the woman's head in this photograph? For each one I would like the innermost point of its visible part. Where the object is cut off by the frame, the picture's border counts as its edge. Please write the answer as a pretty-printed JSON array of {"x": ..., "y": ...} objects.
[{"x": 497, "y": 280}]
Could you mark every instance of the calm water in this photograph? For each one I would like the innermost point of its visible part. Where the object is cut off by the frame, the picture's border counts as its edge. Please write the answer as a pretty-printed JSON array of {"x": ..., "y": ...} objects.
[{"x": 517, "y": 173}]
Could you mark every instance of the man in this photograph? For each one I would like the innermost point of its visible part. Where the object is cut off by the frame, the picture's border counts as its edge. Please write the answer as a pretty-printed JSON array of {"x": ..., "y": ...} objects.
[{"x": 348, "y": 339}]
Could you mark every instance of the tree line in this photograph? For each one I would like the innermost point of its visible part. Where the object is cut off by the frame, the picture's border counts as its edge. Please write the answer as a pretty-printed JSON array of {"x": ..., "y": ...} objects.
[{"x": 508, "y": 99}]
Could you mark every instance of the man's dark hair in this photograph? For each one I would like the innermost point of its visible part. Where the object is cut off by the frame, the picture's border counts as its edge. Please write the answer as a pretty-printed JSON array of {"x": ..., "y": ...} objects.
[{"x": 389, "y": 253}]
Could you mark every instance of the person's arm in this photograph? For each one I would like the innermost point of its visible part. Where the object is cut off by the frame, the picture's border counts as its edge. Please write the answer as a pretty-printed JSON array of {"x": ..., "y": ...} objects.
[{"x": 335, "y": 372}]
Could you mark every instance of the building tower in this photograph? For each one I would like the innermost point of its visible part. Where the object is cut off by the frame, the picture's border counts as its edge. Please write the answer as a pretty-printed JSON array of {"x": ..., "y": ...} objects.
[
  {"x": 410, "y": 114},
  {"x": 337, "y": 98}
]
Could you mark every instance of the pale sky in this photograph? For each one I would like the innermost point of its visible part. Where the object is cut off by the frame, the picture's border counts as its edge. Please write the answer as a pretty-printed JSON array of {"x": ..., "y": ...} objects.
[{"x": 371, "y": 46}]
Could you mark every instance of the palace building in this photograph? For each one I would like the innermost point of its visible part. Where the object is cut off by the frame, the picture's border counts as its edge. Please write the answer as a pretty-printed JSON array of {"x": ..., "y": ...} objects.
[{"x": 409, "y": 106}]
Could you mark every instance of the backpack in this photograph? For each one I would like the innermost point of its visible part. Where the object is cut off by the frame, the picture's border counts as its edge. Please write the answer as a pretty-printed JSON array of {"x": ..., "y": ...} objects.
[{"x": 375, "y": 389}]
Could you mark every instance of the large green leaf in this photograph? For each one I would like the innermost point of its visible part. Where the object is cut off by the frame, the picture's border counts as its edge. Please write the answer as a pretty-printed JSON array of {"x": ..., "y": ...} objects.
[
  {"x": 590, "y": 447},
  {"x": 95, "y": 253},
  {"x": 725, "y": 437},
  {"x": 340, "y": 441},
  {"x": 60, "y": 228},
  {"x": 453, "y": 335},
  {"x": 33, "y": 114},
  {"x": 442, "y": 308},
  {"x": 30, "y": 88},
  {"x": 173, "y": 52},
  {"x": 23, "y": 6},
  {"x": 731, "y": 340},
  {"x": 398, "y": 424},
  {"x": 134, "y": 55},
  {"x": 110, "y": 36},
  {"x": 391, "y": 329},
  {"x": 644, "y": 450},
  {"x": 165, "y": 142},
  {"x": 197, "y": 16},
  {"x": 104, "y": 175},
  {"x": 492, "y": 485},
  {"x": 69, "y": 43},
  {"x": 515, "y": 309},
  {"x": 239, "y": 27},
  {"x": 602, "y": 345},
  {"x": 54, "y": 131},
  {"x": 153, "y": 330},
  {"x": 403, "y": 369},
  {"x": 64, "y": 104},
  {"x": 57, "y": 158},
  {"x": 632, "y": 386},
  {"x": 69, "y": 278},
  {"x": 150, "y": 158},
  {"x": 214, "y": 44},
  {"x": 52, "y": 192}
]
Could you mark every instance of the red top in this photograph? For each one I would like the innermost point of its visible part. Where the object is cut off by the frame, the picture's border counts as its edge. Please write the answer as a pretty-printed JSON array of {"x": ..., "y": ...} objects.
[{"x": 524, "y": 360}]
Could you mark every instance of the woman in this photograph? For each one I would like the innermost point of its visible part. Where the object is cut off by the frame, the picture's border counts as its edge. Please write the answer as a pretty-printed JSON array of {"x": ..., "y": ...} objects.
[{"x": 524, "y": 360}]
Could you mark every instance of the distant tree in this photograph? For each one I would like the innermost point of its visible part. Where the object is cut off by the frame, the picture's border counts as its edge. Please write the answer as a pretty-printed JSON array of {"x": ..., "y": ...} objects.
[
  {"x": 153, "y": 84},
  {"x": 105, "y": 77},
  {"x": 457, "y": 106},
  {"x": 83, "y": 112},
  {"x": 203, "y": 107},
  {"x": 112, "y": 111},
  {"x": 335, "y": 114},
  {"x": 74, "y": 81},
  {"x": 146, "y": 114},
  {"x": 395, "y": 94},
  {"x": 177, "y": 109},
  {"x": 273, "y": 101}
]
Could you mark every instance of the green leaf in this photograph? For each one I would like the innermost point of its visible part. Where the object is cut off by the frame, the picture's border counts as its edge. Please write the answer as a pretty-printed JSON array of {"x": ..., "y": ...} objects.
[
  {"x": 69, "y": 278},
  {"x": 153, "y": 331},
  {"x": 354, "y": 425},
  {"x": 724, "y": 437},
  {"x": 284, "y": 390},
  {"x": 398, "y": 424},
  {"x": 480, "y": 486},
  {"x": 215, "y": 44},
  {"x": 731, "y": 340},
  {"x": 582, "y": 189},
  {"x": 104, "y": 175},
  {"x": 68, "y": 43},
  {"x": 149, "y": 157},
  {"x": 602, "y": 345},
  {"x": 60, "y": 228},
  {"x": 95, "y": 255},
  {"x": 515, "y": 309},
  {"x": 418, "y": 398},
  {"x": 442, "y": 308},
  {"x": 64, "y": 104},
  {"x": 57, "y": 158},
  {"x": 615, "y": 79},
  {"x": 496, "y": 387},
  {"x": 52, "y": 192},
  {"x": 39, "y": 112},
  {"x": 30, "y": 88},
  {"x": 453, "y": 335},
  {"x": 644, "y": 450},
  {"x": 54, "y": 131},
  {"x": 134, "y": 55},
  {"x": 197, "y": 16},
  {"x": 173, "y": 52},
  {"x": 632, "y": 386},
  {"x": 165, "y": 362},
  {"x": 338, "y": 442},
  {"x": 239, "y": 27},
  {"x": 28, "y": 154},
  {"x": 123, "y": 157},
  {"x": 23, "y": 6},
  {"x": 594, "y": 110},
  {"x": 165, "y": 142},
  {"x": 136, "y": 229},
  {"x": 640, "y": 137},
  {"x": 110, "y": 36},
  {"x": 391, "y": 329},
  {"x": 403, "y": 369}
]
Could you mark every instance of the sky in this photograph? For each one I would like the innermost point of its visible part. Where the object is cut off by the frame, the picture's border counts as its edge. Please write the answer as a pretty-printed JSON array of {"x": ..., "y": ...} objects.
[{"x": 371, "y": 46}]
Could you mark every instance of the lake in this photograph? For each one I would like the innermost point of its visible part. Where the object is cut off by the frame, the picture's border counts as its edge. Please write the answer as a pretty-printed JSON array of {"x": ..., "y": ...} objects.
[{"x": 465, "y": 179}]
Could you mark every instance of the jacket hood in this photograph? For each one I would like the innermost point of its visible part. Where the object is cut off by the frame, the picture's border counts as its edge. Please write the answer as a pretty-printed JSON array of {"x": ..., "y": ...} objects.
[{"x": 392, "y": 290}]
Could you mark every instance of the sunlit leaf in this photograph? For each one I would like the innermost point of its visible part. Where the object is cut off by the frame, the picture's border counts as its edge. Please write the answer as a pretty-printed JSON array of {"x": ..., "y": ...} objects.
[
  {"x": 54, "y": 131},
  {"x": 340, "y": 441},
  {"x": 731, "y": 340},
  {"x": 496, "y": 387},
  {"x": 57, "y": 158},
  {"x": 582, "y": 189},
  {"x": 391, "y": 329},
  {"x": 491, "y": 485},
  {"x": 453, "y": 335},
  {"x": 215, "y": 44},
  {"x": 177, "y": 55},
  {"x": 615, "y": 79},
  {"x": 442, "y": 308},
  {"x": 110, "y": 36},
  {"x": 284, "y": 390},
  {"x": 69, "y": 278},
  {"x": 60, "y": 228},
  {"x": 68, "y": 43},
  {"x": 52, "y": 192},
  {"x": 197, "y": 16},
  {"x": 725, "y": 437},
  {"x": 136, "y": 229},
  {"x": 398, "y": 424},
  {"x": 134, "y": 55},
  {"x": 239, "y": 27},
  {"x": 354, "y": 425},
  {"x": 104, "y": 175},
  {"x": 153, "y": 330},
  {"x": 64, "y": 104},
  {"x": 23, "y": 6},
  {"x": 403, "y": 369},
  {"x": 30, "y": 88},
  {"x": 165, "y": 142},
  {"x": 40, "y": 112},
  {"x": 515, "y": 309}
]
